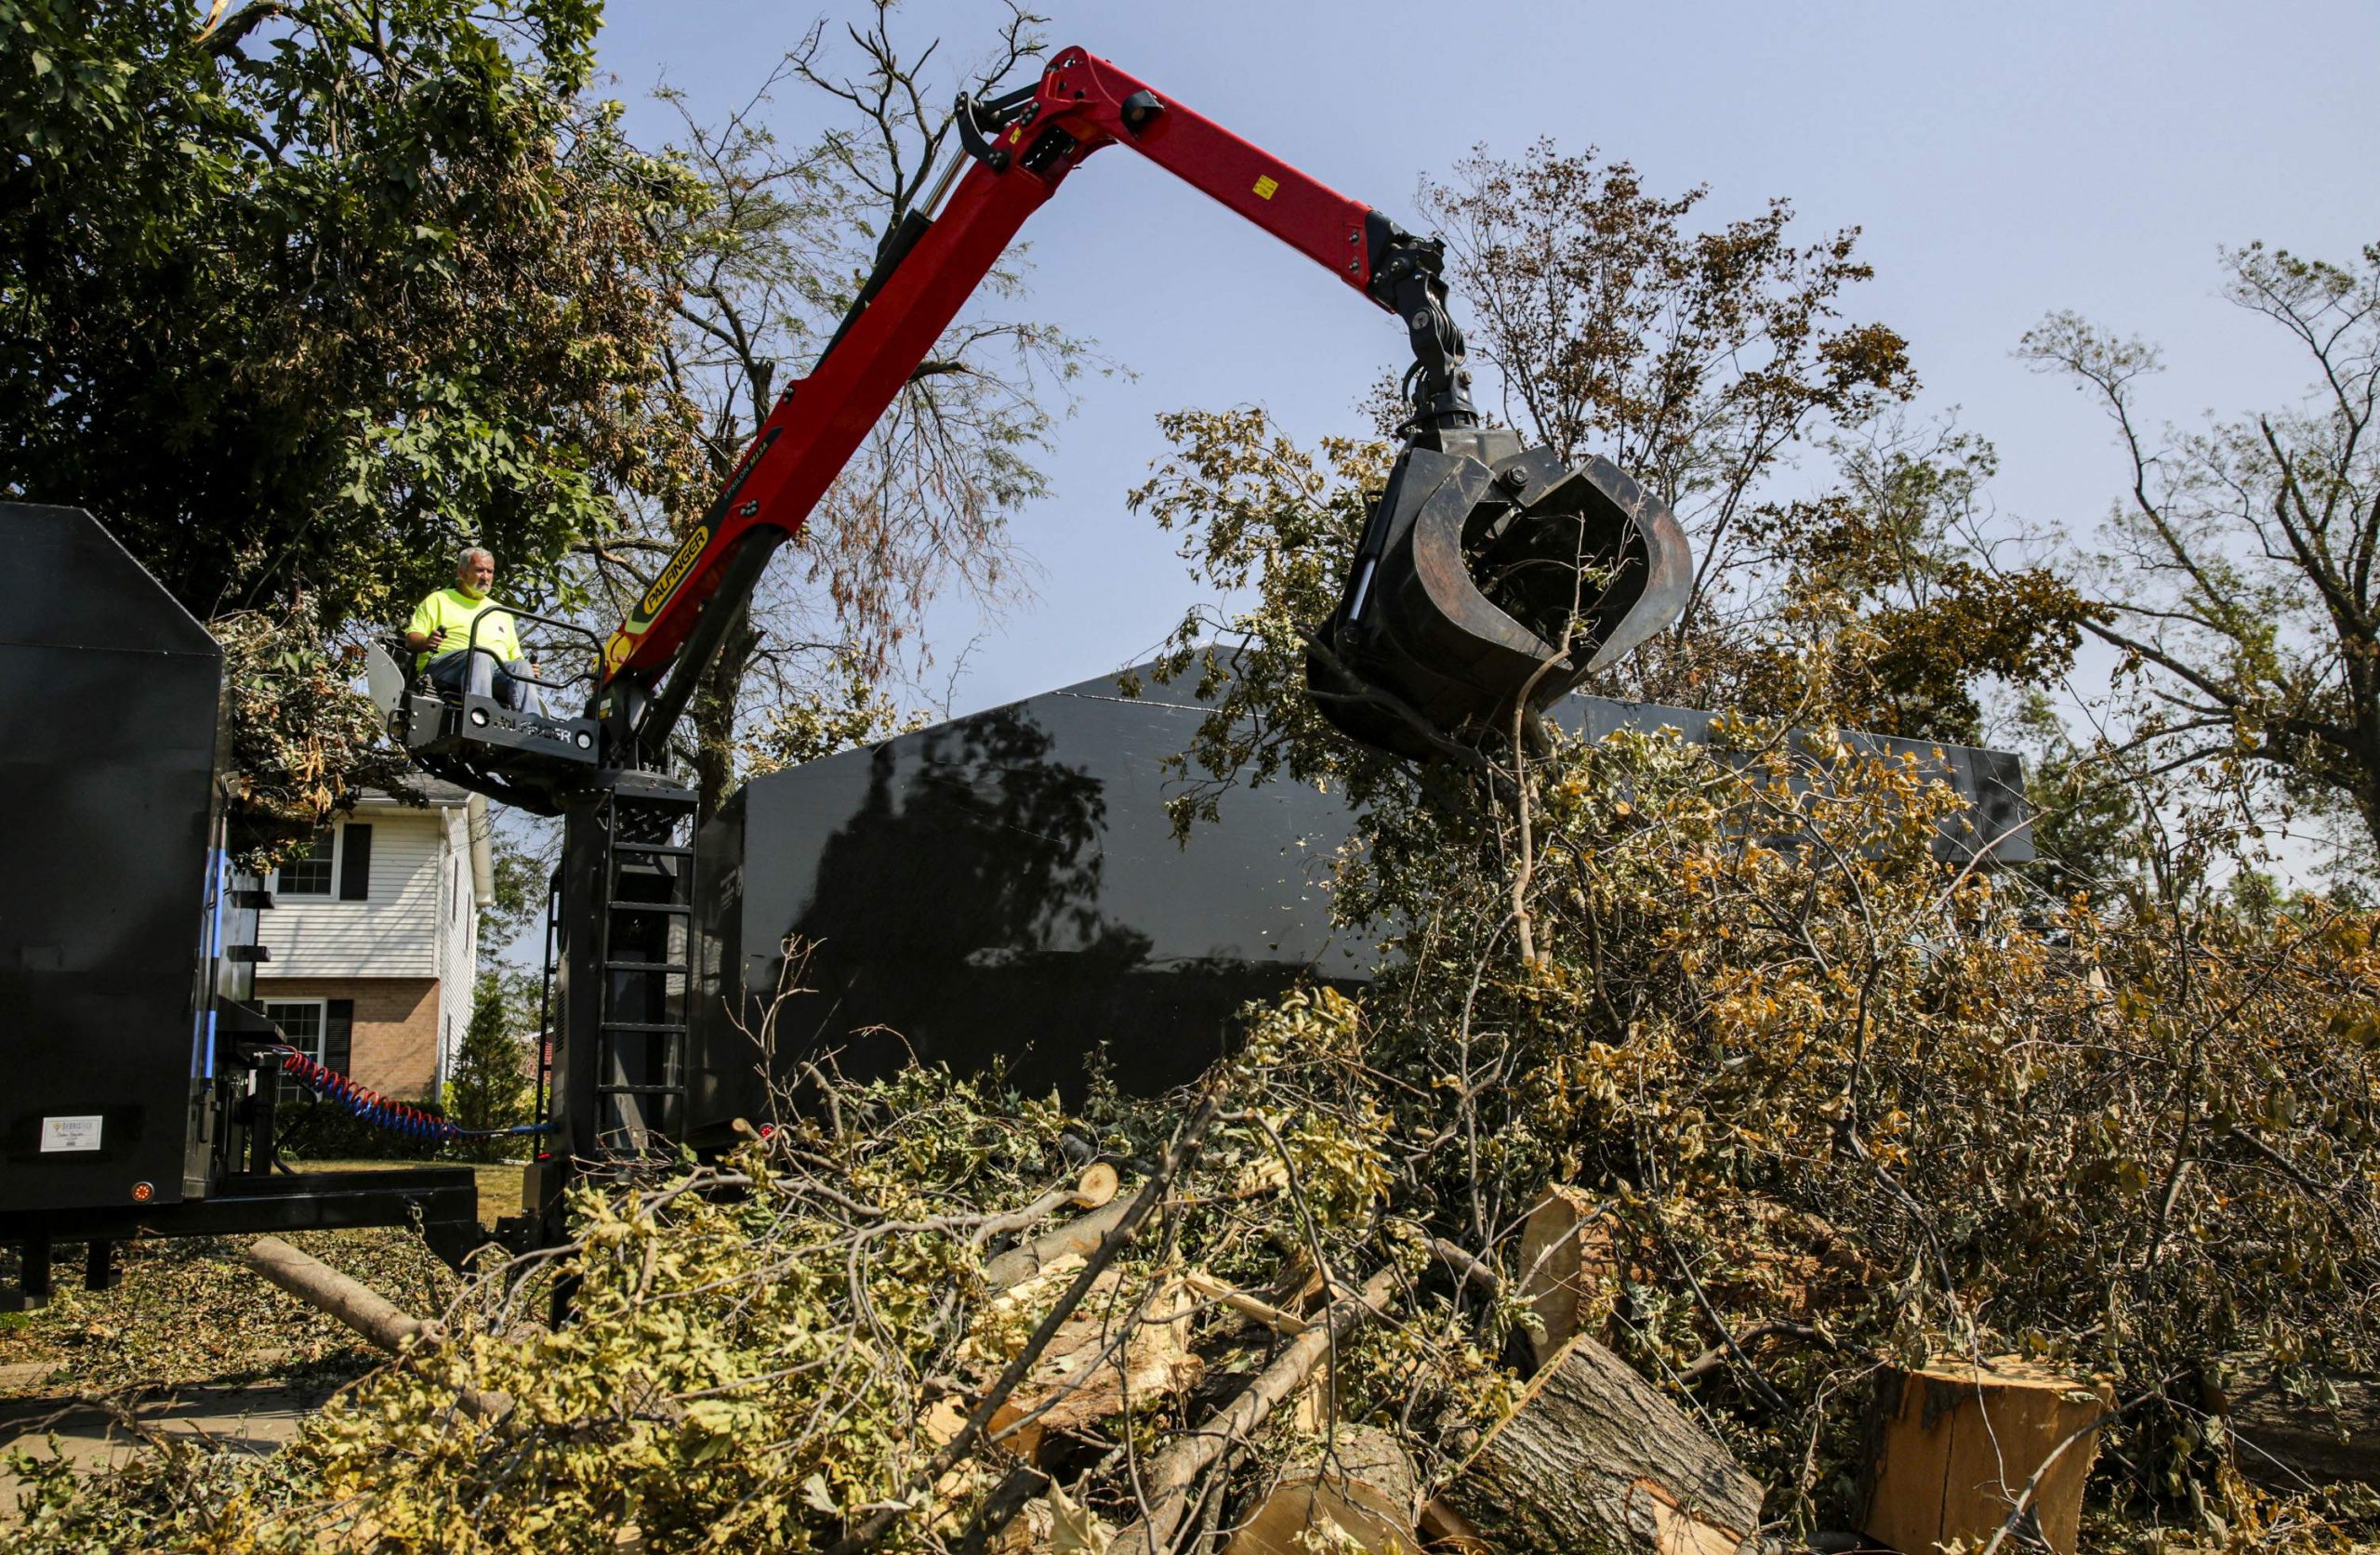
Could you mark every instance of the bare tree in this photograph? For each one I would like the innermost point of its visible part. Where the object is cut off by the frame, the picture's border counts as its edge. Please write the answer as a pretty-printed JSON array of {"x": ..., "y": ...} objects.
[
  {"x": 2240, "y": 569},
  {"x": 762, "y": 273}
]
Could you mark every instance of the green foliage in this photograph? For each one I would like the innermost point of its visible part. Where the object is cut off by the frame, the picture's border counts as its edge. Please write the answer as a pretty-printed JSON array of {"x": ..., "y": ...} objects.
[
  {"x": 1809, "y": 1071},
  {"x": 1257, "y": 513},
  {"x": 301, "y": 301},
  {"x": 845, "y": 714},
  {"x": 520, "y": 877},
  {"x": 304, "y": 743},
  {"x": 1897, "y": 617},
  {"x": 493, "y": 1084}
]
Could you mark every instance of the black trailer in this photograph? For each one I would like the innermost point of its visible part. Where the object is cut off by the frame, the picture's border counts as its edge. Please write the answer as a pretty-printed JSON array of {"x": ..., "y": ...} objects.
[
  {"x": 1005, "y": 888},
  {"x": 127, "y": 951}
]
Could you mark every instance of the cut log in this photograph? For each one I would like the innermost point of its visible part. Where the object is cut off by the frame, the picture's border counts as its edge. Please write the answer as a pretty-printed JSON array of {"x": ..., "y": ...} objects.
[
  {"x": 360, "y": 1307},
  {"x": 1102, "y": 1360},
  {"x": 326, "y": 1290},
  {"x": 1958, "y": 1444},
  {"x": 1358, "y": 1495},
  {"x": 1079, "y": 1238},
  {"x": 2289, "y": 1431},
  {"x": 1567, "y": 1271},
  {"x": 1595, "y": 1457}
]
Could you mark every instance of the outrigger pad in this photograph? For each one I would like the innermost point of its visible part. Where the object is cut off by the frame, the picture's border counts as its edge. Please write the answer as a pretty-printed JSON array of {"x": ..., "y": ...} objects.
[{"x": 1476, "y": 555}]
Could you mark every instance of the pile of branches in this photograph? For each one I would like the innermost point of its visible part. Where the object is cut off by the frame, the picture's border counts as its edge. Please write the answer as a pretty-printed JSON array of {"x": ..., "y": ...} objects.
[{"x": 1820, "y": 1101}]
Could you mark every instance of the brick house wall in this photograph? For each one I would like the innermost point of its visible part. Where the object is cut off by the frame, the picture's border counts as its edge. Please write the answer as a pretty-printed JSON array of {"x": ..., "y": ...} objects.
[{"x": 394, "y": 1041}]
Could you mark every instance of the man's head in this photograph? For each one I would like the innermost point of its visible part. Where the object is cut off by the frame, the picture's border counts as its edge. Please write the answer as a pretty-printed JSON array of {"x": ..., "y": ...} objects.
[{"x": 475, "y": 571}]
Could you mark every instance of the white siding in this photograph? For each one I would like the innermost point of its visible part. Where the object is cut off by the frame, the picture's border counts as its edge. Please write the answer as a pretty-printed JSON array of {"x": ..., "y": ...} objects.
[{"x": 395, "y": 932}]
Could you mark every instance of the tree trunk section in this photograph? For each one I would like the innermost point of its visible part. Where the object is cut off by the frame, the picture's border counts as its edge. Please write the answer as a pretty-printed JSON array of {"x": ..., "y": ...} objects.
[
  {"x": 1595, "y": 1458},
  {"x": 1079, "y": 1238},
  {"x": 1567, "y": 1268},
  {"x": 326, "y": 1290},
  {"x": 1958, "y": 1444},
  {"x": 2288, "y": 1431}
]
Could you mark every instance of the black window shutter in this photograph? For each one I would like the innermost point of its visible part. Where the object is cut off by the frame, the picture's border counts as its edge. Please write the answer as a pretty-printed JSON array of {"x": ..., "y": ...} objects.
[
  {"x": 355, "y": 865},
  {"x": 338, "y": 1033}
]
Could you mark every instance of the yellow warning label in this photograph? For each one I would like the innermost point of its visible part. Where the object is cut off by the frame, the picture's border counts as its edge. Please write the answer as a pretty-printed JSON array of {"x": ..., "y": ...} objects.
[{"x": 1265, "y": 185}]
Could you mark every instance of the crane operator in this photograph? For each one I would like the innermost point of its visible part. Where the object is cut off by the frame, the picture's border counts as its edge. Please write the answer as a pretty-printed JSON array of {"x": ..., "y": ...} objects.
[{"x": 445, "y": 647}]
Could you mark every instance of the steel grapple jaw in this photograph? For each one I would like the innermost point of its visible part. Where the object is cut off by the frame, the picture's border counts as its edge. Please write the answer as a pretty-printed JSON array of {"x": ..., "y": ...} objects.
[{"x": 1479, "y": 559}]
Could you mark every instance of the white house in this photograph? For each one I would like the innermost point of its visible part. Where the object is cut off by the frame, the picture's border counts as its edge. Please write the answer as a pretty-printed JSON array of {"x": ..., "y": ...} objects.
[{"x": 372, "y": 945}]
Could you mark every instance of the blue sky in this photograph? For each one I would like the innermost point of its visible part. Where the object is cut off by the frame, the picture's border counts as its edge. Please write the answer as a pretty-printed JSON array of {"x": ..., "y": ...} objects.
[{"x": 2002, "y": 161}]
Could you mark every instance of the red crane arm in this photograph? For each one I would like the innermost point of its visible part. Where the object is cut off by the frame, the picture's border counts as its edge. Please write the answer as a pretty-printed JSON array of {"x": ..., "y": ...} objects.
[{"x": 931, "y": 265}]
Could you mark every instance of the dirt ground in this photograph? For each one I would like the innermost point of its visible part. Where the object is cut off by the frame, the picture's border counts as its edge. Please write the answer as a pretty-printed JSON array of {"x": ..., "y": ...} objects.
[{"x": 190, "y": 1343}]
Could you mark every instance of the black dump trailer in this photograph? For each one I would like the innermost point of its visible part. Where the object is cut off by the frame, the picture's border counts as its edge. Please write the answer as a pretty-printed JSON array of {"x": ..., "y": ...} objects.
[
  {"x": 126, "y": 948},
  {"x": 1006, "y": 888}
]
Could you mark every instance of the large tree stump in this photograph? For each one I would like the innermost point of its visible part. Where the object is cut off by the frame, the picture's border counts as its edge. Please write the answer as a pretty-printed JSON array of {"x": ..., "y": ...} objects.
[
  {"x": 1362, "y": 1490},
  {"x": 1959, "y": 1444},
  {"x": 2289, "y": 1430},
  {"x": 1596, "y": 1459}
]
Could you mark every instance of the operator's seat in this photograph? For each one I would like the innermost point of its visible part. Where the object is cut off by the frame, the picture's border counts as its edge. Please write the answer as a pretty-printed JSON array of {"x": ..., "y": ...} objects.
[{"x": 389, "y": 679}]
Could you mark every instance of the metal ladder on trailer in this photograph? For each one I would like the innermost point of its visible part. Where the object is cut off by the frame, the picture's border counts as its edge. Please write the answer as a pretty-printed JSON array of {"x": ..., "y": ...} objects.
[
  {"x": 646, "y": 955},
  {"x": 621, "y": 945}
]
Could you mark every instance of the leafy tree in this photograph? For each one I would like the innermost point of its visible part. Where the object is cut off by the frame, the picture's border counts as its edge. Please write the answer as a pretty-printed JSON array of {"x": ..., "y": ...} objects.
[
  {"x": 845, "y": 713},
  {"x": 521, "y": 871},
  {"x": 302, "y": 743},
  {"x": 491, "y": 1087},
  {"x": 1694, "y": 361},
  {"x": 298, "y": 300},
  {"x": 2088, "y": 814},
  {"x": 2241, "y": 558},
  {"x": 1260, "y": 516},
  {"x": 1894, "y": 612}
]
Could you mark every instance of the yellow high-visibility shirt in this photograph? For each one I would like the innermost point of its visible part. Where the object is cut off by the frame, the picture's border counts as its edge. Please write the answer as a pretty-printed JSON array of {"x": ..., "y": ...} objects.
[{"x": 445, "y": 619}]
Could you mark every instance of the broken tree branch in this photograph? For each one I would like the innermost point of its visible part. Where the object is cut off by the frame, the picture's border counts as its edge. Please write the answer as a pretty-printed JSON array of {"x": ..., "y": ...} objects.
[
  {"x": 1178, "y": 1156},
  {"x": 360, "y": 1307}
]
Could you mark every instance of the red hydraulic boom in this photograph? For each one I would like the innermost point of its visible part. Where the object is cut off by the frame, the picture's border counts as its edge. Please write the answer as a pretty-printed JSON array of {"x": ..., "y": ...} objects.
[
  {"x": 1020, "y": 148},
  {"x": 1475, "y": 556}
]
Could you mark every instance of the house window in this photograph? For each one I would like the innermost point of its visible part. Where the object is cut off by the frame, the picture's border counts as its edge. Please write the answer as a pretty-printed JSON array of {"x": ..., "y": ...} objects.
[
  {"x": 322, "y": 1029},
  {"x": 301, "y": 1027},
  {"x": 310, "y": 873},
  {"x": 337, "y": 862}
]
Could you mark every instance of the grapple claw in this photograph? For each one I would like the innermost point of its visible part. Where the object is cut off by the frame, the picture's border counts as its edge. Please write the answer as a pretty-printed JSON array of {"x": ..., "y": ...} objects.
[{"x": 1477, "y": 555}]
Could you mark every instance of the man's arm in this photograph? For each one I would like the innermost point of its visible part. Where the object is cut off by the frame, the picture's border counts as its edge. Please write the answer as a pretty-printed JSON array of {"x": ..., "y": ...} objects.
[{"x": 423, "y": 631}]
